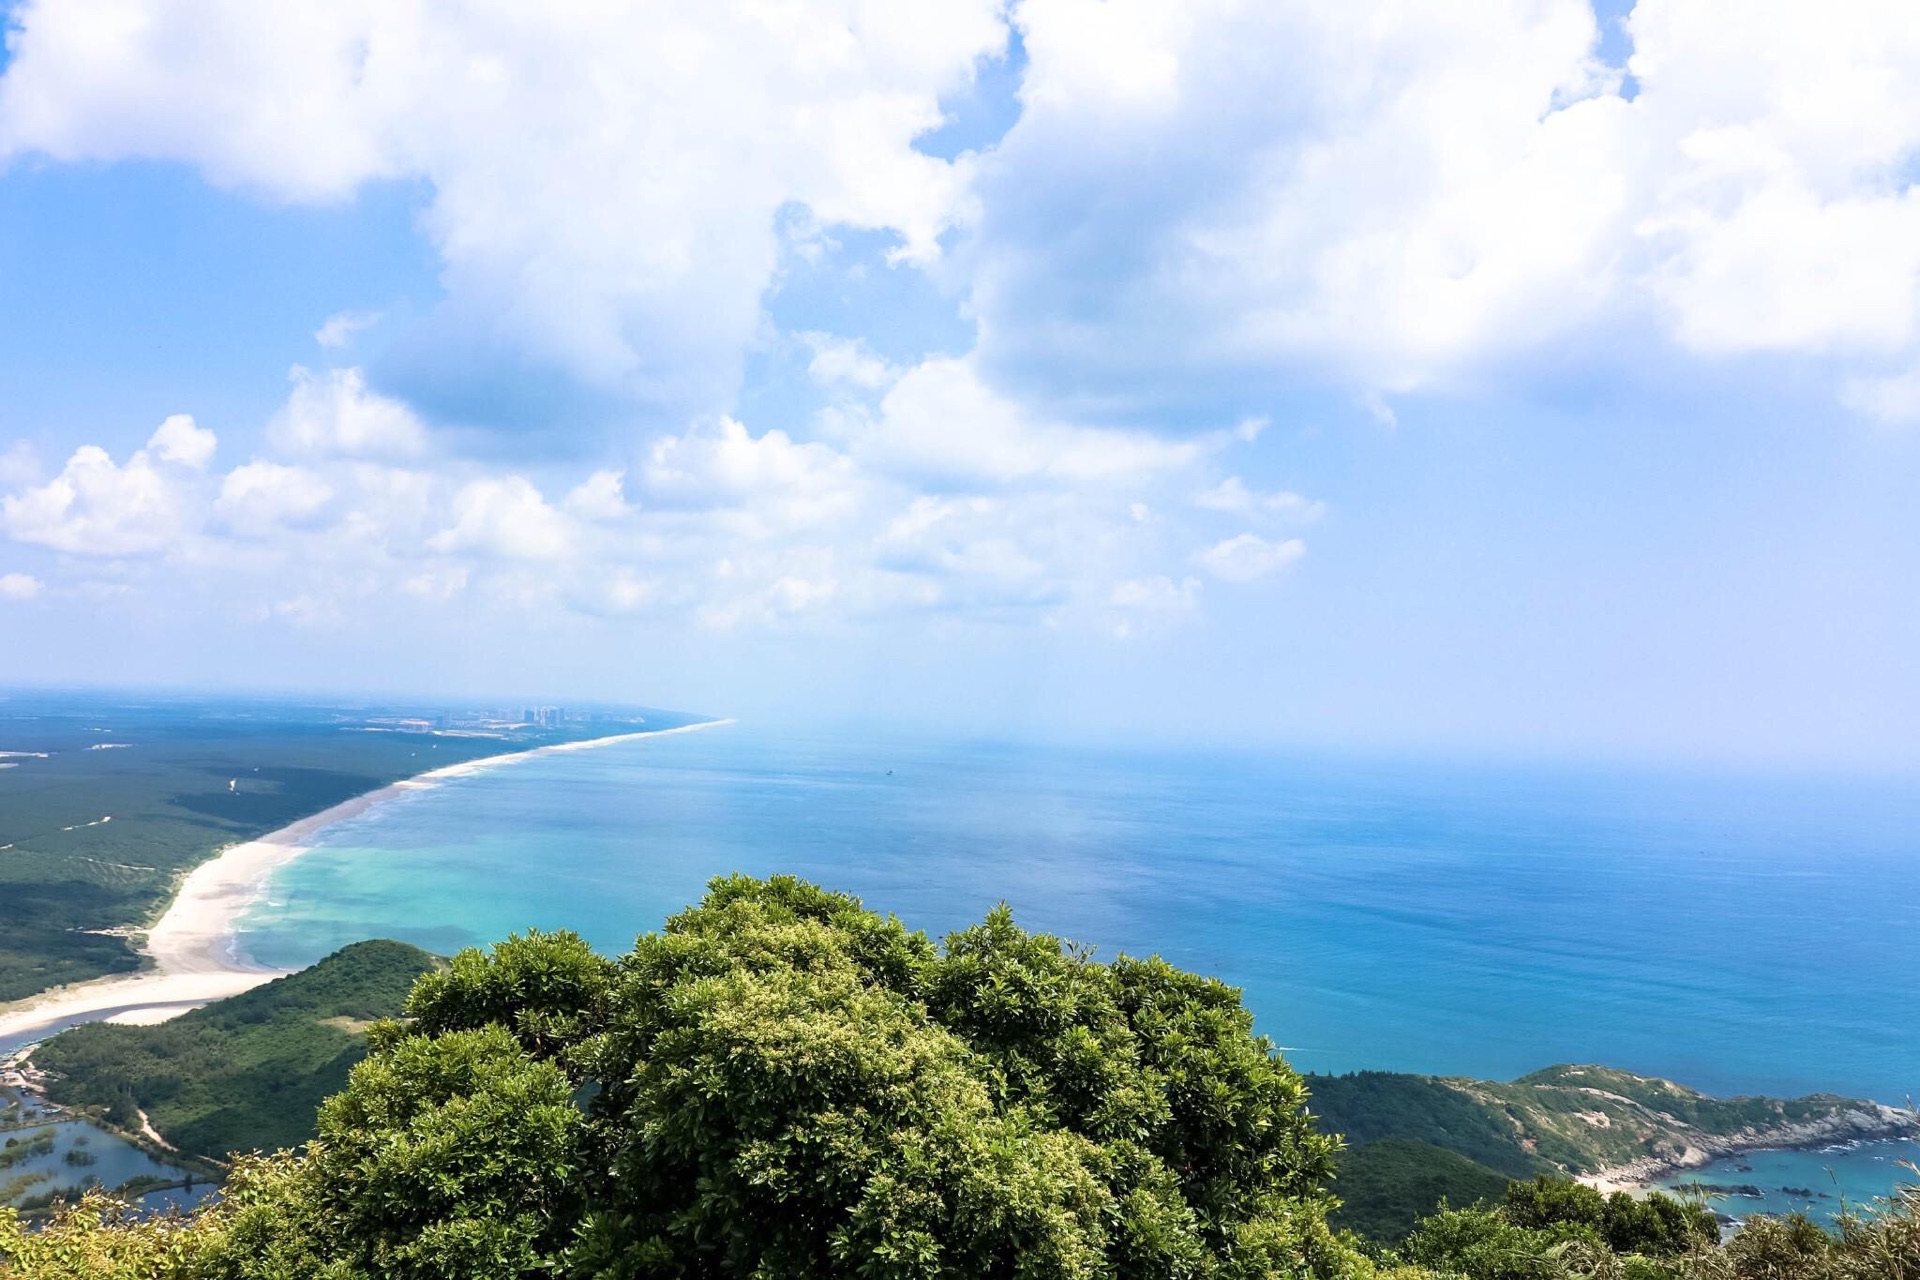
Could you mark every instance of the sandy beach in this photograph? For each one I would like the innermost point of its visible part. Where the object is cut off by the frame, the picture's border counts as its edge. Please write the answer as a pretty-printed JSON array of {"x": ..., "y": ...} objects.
[{"x": 192, "y": 948}]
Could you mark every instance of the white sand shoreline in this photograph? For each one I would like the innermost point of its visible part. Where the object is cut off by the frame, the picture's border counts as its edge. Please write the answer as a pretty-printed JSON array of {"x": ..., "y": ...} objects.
[{"x": 193, "y": 946}]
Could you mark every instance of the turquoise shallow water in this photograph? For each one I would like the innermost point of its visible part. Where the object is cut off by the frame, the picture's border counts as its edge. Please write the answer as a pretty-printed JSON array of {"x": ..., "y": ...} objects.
[
  {"x": 1817, "y": 1183},
  {"x": 1741, "y": 935}
]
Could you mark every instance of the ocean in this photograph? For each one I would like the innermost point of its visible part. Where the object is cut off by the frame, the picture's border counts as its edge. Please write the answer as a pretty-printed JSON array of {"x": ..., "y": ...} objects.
[{"x": 1741, "y": 935}]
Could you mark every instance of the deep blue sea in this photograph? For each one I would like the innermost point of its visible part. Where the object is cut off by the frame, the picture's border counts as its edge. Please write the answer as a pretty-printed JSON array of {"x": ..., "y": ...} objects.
[{"x": 1737, "y": 934}]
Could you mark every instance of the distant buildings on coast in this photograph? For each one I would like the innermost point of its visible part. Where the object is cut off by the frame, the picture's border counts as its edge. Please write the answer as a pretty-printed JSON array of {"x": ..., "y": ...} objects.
[{"x": 494, "y": 721}]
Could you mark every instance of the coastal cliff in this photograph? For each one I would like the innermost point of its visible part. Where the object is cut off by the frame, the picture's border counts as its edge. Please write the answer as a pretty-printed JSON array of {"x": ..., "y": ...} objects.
[{"x": 1610, "y": 1128}]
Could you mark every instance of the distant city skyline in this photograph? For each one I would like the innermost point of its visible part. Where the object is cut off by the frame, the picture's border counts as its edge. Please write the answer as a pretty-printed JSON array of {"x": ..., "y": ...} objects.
[{"x": 1506, "y": 378}]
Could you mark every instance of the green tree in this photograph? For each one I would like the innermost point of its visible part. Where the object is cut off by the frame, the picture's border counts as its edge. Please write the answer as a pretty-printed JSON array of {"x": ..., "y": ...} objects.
[
  {"x": 782, "y": 1083},
  {"x": 1658, "y": 1226}
]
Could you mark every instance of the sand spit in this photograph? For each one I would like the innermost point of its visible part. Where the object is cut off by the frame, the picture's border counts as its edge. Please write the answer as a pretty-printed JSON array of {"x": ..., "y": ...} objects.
[{"x": 192, "y": 948}]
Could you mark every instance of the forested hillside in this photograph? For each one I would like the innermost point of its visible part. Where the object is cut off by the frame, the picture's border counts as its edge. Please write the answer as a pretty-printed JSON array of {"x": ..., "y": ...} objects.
[
  {"x": 1571, "y": 1120},
  {"x": 247, "y": 1073}
]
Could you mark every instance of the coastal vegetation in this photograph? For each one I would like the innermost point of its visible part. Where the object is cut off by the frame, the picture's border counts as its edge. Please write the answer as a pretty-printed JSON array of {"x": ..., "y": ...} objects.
[
  {"x": 247, "y": 1073},
  {"x": 105, "y": 805},
  {"x": 1577, "y": 1120},
  {"x": 1386, "y": 1187},
  {"x": 783, "y": 1083}
]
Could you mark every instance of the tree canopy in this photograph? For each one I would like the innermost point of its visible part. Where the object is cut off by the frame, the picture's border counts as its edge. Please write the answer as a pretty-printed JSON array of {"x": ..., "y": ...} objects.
[{"x": 782, "y": 1083}]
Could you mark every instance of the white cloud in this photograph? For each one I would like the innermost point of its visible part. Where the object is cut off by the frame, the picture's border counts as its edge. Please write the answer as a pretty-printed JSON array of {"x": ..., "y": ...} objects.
[
  {"x": 1409, "y": 201},
  {"x": 846, "y": 361},
  {"x": 1234, "y": 498},
  {"x": 18, "y": 587},
  {"x": 1781, "y": 207},
  {"x": 96, "y": 507},
  {"x": 714, "y": 526},
  {"x": 1247, "y": 556},
  {"x": 179, "y": 440},
  {"x": 601, "y": 496},
  {"x": 260, "y": 498},
  {"x": 605, "y": 178},
  {"x": 339, "y": 328},
  {"x": 1390, "y": 197},
  {"x": 941, "y": 422},
  {"x": 1379, "y": 198},
  {"x": 505, "y": 517},
  {"x": 333, "y": 414},
  {"x": 771, "y": 477}
]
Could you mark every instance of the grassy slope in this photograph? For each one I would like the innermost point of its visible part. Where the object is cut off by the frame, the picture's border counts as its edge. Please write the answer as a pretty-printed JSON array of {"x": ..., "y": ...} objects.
[
  {"x": 244, "y": 1073},
  {"x": 1563, "y": 1120},
  {"x": 1388, "y": 1186},
  {"x": 172, "y": 808}
]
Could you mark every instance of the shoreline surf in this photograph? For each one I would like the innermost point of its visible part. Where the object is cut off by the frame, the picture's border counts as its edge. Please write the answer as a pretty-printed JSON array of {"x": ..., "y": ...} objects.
[{"x": 192, "y": 949}]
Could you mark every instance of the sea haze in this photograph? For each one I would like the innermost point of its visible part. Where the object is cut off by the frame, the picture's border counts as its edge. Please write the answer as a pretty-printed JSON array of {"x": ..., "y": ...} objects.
[{"x": 1739, "y": 935}]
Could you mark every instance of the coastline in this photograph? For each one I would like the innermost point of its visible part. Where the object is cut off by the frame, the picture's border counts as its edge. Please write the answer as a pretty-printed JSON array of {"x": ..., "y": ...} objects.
[
  {"x": 191, "y": 949},
  {"x": 1847, "y": 1129}
]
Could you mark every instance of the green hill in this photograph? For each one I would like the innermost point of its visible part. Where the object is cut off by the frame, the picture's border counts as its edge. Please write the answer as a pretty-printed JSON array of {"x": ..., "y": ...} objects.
[
  {"x": 1386, "y": 1187},
  {"x": 1370, "y": 1106},
  {"x": 1573, "y": 1120},
  {"x": 246, "y": 1073}
]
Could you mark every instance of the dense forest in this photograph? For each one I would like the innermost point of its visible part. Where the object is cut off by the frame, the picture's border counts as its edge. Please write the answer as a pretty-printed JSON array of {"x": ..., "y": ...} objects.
[{"x": 782, "y": 1083}]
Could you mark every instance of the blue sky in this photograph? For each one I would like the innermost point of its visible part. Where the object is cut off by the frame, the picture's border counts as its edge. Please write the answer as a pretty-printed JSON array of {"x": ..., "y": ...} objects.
[{"x": 1495, "y": 378}]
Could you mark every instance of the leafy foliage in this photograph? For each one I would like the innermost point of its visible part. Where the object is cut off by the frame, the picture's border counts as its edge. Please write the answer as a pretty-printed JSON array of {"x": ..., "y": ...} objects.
[
  {"x": 1659, "y": 1226},
  {"x": 99, "y": 1239},
  {"x": 784, "y": 1084}
]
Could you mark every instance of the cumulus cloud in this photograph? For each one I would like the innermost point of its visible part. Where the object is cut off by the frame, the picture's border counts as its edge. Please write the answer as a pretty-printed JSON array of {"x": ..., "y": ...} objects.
[
  {"x": 1246, "y": 557},
  {"x": 601, "y": 496},
  {"x": 180, "y": 440},
  {"x": 333, "y": 413},
  {"x": 260, "y": 498},
  {"x": 1402, "y": 203},
  {"x": 97, "y": 507},
  {"x": 18, "y": 587},
  {"x": 605, "y": 178},
  {"x": 1395, "y": 198},
  {"x": 771, "y": 476},
  {"x": 940, "y": 422},
  {"x": 838, "y": 361},
  {"x": 715, "y": 525},
  {"x": 505, "y": 517}
]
